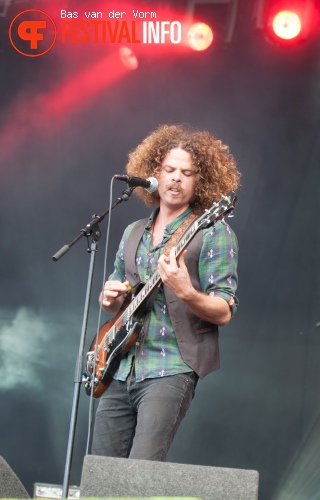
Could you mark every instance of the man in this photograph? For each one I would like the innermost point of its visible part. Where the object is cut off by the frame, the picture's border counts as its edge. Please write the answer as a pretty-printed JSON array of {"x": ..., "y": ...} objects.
[{"x": 140, "y": 413}]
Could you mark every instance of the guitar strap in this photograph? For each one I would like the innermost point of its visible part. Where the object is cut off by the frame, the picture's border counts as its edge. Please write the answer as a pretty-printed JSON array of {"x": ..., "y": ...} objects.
[{"x": 175, "y": 237}]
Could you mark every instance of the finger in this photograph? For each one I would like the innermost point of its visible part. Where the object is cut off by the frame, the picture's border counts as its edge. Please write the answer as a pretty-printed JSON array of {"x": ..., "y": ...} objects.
[
  {"x": 116, "y": 286},
  {"x": 107, "y": 295},
  {"x": 163, "y": 261},
  {"x": 103, "y": 300},
  {"x": 172, "y": 257},
  {"x": 181, "y": 261},
  {"x": 111, "y": 293}
]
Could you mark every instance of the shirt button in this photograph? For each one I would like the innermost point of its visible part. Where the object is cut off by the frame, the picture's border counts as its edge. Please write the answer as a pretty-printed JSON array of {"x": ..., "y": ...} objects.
[
  {"x": 137, "y": 344},
  {"x": 147, "y": 276}
]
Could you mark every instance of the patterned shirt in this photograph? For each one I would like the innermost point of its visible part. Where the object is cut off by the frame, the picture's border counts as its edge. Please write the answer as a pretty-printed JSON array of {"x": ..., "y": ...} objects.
[{"x": 156, "y": 351}]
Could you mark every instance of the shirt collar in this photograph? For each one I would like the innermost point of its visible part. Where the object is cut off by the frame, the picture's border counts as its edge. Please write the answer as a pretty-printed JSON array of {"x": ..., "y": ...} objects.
[{"x": 173, "y": 225}]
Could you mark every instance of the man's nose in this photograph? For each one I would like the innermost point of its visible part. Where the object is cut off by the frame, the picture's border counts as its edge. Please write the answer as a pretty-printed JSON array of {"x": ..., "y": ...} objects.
[{"x": 177, "y": 175}]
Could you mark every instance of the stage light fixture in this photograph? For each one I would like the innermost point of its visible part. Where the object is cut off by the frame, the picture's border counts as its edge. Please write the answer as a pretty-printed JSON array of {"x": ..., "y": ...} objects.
[
  {"x": 128, "y": 58},
  {"x": 220, "y": 15},
  {"x": 286, "y": 22},
  {"x": 200, "y": 36},
  {"x": 286, "y": 25}
]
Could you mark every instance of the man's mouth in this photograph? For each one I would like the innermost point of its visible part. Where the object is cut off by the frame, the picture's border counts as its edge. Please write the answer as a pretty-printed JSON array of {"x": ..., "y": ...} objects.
[{"x": 174, "y": 190}]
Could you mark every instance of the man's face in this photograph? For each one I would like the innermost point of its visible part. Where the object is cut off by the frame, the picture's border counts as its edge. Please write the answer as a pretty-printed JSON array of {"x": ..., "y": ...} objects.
[{"x": 177, "y": 180}]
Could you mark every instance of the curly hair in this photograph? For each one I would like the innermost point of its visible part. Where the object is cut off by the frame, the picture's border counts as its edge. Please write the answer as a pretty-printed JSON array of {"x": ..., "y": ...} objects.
[{"x": 217, "y": 170}]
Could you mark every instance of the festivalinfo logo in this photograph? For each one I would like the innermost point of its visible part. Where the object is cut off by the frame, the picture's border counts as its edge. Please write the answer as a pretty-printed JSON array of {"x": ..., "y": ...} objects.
[{"x": 34, "y": 32}]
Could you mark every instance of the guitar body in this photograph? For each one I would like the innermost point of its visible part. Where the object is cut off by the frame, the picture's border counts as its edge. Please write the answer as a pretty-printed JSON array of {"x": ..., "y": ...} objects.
[{"x": 106, "y": 351}]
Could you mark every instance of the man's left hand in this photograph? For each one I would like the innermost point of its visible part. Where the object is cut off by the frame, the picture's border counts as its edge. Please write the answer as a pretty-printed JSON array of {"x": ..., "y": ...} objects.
[{"x": 174, "y": 274}]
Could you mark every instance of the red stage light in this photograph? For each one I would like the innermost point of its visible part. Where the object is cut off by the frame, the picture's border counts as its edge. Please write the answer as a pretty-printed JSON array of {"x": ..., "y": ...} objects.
[
  {"x": 200, "y": 36},
  {"x": 128, "y": 58},
  {"x": 42, "y": 112},
  {"x": 286, "y": 25}
]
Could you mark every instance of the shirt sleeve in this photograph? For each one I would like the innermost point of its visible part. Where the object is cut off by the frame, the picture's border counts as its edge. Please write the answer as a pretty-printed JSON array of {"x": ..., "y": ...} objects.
[
  {"x": 119, "y": 268},
  {"x": 218, "y": 263}
]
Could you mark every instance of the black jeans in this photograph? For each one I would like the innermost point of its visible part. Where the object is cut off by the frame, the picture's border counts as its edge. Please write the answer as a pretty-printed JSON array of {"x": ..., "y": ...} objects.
[{"x": 140, "y": 419}]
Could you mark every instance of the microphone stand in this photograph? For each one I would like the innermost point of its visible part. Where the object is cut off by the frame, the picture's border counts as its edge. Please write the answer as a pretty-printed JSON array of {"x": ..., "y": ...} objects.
[{"x": 92, "y": 229}]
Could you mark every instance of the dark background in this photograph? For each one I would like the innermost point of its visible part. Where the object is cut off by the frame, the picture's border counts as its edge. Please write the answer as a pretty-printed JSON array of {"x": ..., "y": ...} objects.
[{"x": 57, "y": 157}]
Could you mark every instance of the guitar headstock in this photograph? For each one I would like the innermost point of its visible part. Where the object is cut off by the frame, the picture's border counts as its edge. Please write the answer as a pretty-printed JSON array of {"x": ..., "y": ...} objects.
[{"x": 219, "y": 209}]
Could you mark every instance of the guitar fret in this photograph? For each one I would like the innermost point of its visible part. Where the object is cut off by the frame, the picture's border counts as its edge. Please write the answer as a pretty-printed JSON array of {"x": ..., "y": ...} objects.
[
  {"x": 151, "y": 283},
  {"x": 113, "y": 333}
]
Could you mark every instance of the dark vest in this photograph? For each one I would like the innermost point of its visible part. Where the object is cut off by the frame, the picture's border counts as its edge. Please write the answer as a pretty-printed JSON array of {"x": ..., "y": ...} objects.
[{"x": 197, "y": 339}]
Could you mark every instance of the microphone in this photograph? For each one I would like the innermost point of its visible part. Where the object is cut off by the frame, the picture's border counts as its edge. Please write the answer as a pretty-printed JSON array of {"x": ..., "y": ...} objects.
[{"x": 150, "y": 184}]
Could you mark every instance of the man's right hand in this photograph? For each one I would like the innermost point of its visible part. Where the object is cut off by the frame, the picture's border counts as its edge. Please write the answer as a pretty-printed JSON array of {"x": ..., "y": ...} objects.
[{"x": 112, "y": 296}]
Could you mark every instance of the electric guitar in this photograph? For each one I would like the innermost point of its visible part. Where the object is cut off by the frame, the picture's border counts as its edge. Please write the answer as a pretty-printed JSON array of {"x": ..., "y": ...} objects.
[{"x": 117, "y": 335}]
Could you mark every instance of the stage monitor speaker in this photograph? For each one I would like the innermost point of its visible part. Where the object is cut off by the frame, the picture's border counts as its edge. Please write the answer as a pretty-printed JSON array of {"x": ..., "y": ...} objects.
[
  {"x": 10, "y": 486},
  {"x": 121, "y": 477}
]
